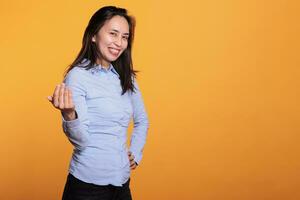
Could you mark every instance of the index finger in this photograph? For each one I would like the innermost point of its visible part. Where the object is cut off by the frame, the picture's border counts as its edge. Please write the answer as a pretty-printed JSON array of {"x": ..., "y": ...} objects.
[
  {"x": 70, "y": 99},
  {"x": 55, "y": 95}
]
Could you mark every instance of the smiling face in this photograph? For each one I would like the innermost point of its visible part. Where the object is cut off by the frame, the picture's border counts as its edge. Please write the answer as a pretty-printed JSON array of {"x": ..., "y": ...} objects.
[{"x": 111, "y": 40}]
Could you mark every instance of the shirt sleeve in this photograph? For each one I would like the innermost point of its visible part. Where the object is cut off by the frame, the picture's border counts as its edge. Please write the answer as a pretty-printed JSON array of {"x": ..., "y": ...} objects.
[
  {"x": 77, "y": 130},
  {"x": 141, "y": 124}
]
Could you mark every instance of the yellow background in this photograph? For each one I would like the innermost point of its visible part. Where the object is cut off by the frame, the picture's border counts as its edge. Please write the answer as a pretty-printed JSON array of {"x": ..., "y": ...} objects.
[{"x": 220, "y": 80}]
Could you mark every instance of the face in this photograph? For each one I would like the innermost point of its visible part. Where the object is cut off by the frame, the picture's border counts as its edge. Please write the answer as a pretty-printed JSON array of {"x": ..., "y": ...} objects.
[{"x": 112, "y": 39}]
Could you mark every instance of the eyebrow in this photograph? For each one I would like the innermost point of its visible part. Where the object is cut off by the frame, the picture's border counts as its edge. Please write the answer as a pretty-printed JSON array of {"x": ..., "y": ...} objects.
[{"x": 119, "y": 31}]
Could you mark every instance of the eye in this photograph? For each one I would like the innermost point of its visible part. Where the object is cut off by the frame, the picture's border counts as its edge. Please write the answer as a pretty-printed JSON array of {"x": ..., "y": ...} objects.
[
  {"x": 113, "y": 33},
  {"x": 125, "y": 37}
]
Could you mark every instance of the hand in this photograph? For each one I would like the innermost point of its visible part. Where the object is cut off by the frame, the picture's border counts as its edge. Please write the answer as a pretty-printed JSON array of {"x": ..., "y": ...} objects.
[
  {"x": 62, "y": 100},
  {"x": 133, "y": 164}
]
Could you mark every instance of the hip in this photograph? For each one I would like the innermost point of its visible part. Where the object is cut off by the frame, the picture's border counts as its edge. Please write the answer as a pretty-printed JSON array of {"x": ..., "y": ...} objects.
[{"x": 77, "y": 189}]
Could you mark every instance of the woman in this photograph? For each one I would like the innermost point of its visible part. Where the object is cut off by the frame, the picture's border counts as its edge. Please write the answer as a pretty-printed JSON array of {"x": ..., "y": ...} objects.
[{"x": 97, "y": 99}]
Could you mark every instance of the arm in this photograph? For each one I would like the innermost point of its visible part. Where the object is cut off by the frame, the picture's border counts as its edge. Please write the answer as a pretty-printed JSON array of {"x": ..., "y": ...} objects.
[
  {"x": 141, "y": 124},
  {"x": 77, "y": 130}
]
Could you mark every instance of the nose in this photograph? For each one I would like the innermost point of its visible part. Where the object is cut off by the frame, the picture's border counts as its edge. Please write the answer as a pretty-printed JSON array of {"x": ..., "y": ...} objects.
[{"x": 118, "y": 41}]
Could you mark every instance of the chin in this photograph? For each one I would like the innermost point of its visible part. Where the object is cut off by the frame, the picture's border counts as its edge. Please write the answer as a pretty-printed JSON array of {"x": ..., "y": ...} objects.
[{"x": 114, "y": 58}]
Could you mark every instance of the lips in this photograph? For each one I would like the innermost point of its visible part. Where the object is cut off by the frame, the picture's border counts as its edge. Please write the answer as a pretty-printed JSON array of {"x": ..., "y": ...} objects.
[{"x": 114, "y": 51}]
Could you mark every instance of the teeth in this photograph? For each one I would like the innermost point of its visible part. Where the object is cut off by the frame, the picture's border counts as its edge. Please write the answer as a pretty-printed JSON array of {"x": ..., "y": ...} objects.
[{"x": 114, "y": 51}]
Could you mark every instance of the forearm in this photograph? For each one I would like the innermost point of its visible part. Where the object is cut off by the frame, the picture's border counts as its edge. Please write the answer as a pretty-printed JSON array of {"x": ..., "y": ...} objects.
[
  {"x": 138, "y": 140},
  {"x": 76, "y": 132}
]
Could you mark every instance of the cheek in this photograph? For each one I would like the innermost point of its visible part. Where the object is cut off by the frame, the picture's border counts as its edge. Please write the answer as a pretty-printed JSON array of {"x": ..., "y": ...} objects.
[
  {"x": 125, "y": 45},
  {"x": 106, "y": 40}
]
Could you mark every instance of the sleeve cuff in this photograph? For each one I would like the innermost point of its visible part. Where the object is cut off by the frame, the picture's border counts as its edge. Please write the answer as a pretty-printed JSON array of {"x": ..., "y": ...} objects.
[
  {"x": 137, "y": 157},
  {"x": 72, "y": 123}
]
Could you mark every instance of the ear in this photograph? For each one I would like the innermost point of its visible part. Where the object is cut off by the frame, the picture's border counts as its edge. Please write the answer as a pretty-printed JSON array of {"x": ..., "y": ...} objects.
[{"x": 94, "y": 38}]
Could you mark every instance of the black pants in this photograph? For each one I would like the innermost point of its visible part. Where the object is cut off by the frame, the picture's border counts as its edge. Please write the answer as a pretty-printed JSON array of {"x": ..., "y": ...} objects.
[{"x": 76, "y": 189}]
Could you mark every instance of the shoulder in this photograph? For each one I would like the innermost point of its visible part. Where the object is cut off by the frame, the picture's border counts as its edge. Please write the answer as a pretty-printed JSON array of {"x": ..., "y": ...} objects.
[
  {"x": 136, "y": 88},
  {"x": 135, "y": 83},
  {"x": 77, "y": 71},
  {"x": 76, "y": 74},
  {"x": 80, "y": 68},
  {"x": 77, "y": 78}
]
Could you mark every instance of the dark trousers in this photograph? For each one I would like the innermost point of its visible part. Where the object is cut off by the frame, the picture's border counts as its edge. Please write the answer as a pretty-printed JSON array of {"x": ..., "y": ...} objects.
[{"x": 76, "y": 189}]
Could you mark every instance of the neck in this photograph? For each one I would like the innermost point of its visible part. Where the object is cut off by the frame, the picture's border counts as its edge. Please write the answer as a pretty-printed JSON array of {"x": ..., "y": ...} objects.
[{"x": 103, "y": 63}]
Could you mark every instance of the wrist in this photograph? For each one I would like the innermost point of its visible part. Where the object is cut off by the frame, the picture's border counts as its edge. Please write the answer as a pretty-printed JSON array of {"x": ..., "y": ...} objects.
[{"x": 70, "y": 115}]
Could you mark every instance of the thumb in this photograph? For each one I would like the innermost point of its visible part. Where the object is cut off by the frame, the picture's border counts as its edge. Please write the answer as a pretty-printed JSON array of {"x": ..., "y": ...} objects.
[{"x": 49, "y": 98}]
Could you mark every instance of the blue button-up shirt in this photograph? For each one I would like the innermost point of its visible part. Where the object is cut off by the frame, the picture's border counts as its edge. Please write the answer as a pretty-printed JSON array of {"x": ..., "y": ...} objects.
[{"x": 99, "y": 133}]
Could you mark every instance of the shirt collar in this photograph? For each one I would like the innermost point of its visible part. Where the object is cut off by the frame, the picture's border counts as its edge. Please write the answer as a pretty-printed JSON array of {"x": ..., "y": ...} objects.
[{"x": 98, "y": 67}]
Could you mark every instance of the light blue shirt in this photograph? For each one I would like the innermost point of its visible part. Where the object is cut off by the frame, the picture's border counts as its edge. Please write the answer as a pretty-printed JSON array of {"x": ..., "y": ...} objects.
[{"x": 99, "y": 134}]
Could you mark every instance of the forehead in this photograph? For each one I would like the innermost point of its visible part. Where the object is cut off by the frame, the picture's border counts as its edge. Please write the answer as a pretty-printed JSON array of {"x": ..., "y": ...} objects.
[{"x": 118, "y": 23}]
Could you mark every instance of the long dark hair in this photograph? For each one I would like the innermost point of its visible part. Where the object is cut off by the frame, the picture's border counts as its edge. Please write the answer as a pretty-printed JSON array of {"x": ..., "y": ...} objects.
[{"x": 123, "y": 65}]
